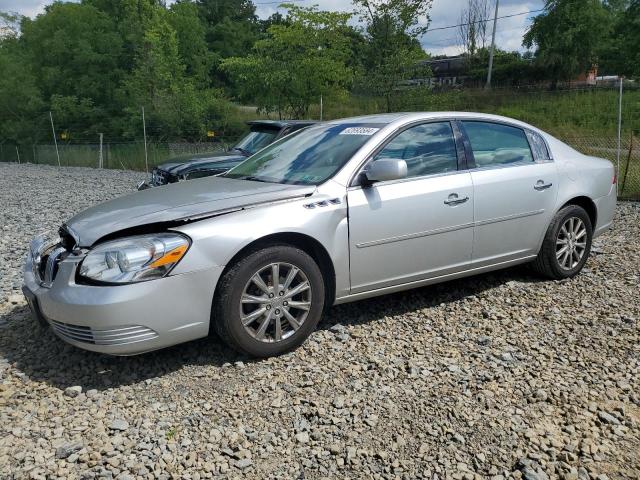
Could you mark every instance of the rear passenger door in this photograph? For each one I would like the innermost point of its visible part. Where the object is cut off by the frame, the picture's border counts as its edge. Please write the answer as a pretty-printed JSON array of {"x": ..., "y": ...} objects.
[{"x": 515, "y": 190}]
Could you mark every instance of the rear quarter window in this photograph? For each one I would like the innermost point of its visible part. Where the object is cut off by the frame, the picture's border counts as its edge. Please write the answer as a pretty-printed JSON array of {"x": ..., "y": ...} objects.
[{"x": 538, "y": 146}]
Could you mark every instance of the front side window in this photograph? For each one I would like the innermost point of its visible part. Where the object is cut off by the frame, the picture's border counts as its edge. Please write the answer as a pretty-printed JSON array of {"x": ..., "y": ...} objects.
[
  {"x": 497, "y": 144},
  {"x": 428, "y": 149},
  {"x": 306, "y": 157}
]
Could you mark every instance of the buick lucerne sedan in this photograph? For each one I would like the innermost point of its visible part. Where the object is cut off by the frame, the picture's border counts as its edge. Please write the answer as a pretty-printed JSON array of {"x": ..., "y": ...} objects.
[{"x": 337, "y": 212}]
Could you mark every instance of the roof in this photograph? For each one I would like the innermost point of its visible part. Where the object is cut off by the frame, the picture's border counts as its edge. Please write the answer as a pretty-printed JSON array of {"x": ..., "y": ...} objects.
[
  {"x": 402, "y": 117},
  {"x": 280, "y": 123}
]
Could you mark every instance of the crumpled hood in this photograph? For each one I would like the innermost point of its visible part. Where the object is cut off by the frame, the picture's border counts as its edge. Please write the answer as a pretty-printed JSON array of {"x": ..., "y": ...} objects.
[
  {"x": 176, "y": 201},
  {"x": 179, "y": 166}
]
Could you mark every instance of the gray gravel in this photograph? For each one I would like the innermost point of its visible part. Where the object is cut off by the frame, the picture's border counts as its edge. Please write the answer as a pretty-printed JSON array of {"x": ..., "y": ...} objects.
[{"x": 497, "y": 376}]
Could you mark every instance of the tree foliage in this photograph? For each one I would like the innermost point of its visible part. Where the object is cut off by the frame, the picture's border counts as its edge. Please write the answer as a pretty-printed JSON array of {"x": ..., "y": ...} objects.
[
  {"x": 95, "y": 63},
  {"x": 392, "y": 52},
  {"x": 568, "y": 36},
  {"x": 299, "y": 60}
]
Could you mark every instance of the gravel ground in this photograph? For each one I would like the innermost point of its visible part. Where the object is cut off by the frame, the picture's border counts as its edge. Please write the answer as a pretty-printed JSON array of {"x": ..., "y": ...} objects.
[{"x": 496, "y": 376}]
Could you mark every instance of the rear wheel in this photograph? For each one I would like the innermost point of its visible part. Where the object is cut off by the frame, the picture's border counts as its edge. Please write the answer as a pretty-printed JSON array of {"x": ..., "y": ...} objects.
[
  {"x": 270, "y": 301},
  {"x": 566, "y": 245}
]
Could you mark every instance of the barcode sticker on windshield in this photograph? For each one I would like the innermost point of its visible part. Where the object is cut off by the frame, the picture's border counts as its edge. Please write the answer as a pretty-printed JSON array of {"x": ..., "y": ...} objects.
[{"x": 359, "y": 131}]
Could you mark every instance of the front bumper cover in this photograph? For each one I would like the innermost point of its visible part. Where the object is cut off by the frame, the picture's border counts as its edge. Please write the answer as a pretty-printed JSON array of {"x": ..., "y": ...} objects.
[{"x": 123, "y": 319}]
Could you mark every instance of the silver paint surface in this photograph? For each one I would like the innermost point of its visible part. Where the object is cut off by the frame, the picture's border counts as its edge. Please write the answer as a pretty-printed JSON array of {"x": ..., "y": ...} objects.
[{"x": 381, "y": 238}]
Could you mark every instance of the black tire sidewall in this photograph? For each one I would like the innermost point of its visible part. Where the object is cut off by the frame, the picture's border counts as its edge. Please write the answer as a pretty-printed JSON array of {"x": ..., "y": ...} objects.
[
  {"x": 562, "y": 216},
  {"x": 235, "y": 280}
]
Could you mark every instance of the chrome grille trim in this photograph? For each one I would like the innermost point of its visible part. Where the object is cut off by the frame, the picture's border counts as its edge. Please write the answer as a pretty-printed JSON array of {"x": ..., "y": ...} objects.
[
  {"x": 52, "y": 266},
  {"x": 115, "y": 336}
]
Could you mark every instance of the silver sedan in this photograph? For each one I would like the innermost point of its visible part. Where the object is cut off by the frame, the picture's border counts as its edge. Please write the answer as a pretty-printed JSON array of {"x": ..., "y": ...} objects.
[{"x": 341, "y": 211}]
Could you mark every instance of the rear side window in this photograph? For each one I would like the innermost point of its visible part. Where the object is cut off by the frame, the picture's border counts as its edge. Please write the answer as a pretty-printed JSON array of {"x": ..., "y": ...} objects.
[
  {"x": 428, "y": 149},
  {"x": 539, "y": 146},
  {"x": 496, "y": 144}
]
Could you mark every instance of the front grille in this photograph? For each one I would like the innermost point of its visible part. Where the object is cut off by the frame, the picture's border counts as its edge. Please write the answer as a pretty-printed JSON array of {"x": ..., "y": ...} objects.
[
  {"x": 160, "y": 177},
  {"x": 46, "y": 254},
  {"x": 115, "y": 336}
]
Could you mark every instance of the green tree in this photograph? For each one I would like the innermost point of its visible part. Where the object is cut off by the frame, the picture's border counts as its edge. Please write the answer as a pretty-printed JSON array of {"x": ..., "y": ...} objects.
[
  {"x": 21, "y": 101},
  {"x": 621, "y": 53},
  {"x": 192, "y": 44},
  {"x": 158, "y": 82},
  {"x": 232, "y": 28},
  {"x": 567, "y": 36},
  {"x": 300, "y": 60},
  {"x": 392, "y": 29},
  {"x": 73, "y": 50}
]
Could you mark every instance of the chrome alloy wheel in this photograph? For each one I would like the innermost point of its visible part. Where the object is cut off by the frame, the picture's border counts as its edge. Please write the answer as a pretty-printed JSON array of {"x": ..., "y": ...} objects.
[
  {"x": 275, "y": 302},
  {"x": 571, "y": 243}
]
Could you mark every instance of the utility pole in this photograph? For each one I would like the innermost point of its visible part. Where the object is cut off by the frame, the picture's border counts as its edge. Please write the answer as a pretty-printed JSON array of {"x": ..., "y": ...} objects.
[
  {"x": 493, "y": 44},
  {"x": 144, "y": 129},
  {"x": 54, "y": 137},
  {"x": 100, "y": 155}
]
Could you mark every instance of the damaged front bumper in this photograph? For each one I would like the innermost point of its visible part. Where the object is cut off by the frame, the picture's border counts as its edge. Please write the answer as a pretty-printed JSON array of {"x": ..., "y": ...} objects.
[{"x": 121, "y": 319}]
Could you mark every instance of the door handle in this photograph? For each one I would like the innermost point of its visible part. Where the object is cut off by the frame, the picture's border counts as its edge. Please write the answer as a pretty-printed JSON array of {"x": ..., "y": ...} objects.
[
  {"x": 540, "y": 185},
  {"x": 453, "y": 200}
]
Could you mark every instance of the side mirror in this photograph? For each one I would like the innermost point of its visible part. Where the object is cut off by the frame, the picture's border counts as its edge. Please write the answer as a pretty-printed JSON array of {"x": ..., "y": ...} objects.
[{"x": 386, "y": 169}]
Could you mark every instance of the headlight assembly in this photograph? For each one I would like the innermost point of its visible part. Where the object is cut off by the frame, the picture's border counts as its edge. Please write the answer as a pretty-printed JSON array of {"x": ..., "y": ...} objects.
[{"x": 134, "y": 259}]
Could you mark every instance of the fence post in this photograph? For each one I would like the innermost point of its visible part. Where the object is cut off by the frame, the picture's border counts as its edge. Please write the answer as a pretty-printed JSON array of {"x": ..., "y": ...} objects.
[
  {"x": 100, "y": 160},
  {"x": 18, "y": 154},
  {"x": 33, "y": 146},
  {"x": 54, "y": 137},
  {"x": 619, "y": 129},
  {"x": 144, "y": 130}
]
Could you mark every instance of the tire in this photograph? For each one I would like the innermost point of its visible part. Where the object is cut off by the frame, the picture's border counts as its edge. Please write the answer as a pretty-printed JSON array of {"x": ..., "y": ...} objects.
[
  {"x": 554, "y": 263},
  {"x": 239, "y": 298}
]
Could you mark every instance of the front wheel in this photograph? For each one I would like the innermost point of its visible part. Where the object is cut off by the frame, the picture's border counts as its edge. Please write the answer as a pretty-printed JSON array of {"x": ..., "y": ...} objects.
[
  {"x": 566, "y": 245},
  {"x": 270, "y": 301}
]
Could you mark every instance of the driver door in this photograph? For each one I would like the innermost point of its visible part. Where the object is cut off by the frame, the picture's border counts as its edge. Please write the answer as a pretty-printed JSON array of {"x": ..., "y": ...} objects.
[{"x": 419, "y": 227}]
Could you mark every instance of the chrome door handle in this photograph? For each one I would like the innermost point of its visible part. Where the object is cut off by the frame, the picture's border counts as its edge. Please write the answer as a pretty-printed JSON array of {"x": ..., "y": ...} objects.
[
  {"x": 540, "y": 185},
  {"x": 454, "y": 200}
]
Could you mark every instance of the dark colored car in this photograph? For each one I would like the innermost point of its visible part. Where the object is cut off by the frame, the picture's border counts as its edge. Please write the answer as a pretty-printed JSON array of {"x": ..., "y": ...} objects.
[{"x": 261, "y": 134}]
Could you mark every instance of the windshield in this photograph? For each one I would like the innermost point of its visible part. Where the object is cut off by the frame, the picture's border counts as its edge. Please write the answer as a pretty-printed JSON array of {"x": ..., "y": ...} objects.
[
  {"x": 308, "y": 157},
  {"x": 255, "y": 140}
]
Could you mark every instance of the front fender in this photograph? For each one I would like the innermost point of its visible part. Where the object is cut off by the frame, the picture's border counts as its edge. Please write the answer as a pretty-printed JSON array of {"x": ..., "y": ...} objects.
[{"x": 217, "y": 240}]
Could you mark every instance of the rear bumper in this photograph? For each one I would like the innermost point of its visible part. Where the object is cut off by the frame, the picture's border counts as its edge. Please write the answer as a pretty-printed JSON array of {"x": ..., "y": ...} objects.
[
  {"x": 606, "y": 208},
  {"x": 124, "y": 319}
]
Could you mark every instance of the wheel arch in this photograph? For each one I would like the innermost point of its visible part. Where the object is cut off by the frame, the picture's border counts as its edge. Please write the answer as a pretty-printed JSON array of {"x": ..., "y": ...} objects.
[
  {"x": 307, "y": 244},
  {"x": 589, "y": 206}
]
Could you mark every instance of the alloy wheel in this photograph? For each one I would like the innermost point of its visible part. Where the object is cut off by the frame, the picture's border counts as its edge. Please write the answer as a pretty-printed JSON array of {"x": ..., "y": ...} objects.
[
  {"x": 571, "y": 243},
  {"x": 275, "y": 302}
]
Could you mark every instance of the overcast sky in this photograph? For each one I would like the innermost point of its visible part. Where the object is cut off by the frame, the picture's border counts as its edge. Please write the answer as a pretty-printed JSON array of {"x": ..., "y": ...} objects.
[{"x": 444, "y": 13}]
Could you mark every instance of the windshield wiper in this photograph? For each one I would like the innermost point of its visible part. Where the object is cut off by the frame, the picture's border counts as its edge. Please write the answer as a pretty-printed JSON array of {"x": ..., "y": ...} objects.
[{"x": 253, "y": 179}]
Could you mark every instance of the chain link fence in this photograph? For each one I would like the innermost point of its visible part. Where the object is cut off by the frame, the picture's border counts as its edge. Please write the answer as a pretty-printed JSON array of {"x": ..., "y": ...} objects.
[
  {"x": 121, "y": 155},
  {"x": 131, "y": 155}
]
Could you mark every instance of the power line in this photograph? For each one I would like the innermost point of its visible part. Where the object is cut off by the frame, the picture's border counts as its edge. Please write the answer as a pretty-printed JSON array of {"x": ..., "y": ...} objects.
[{"x": 482, "y": 21}]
